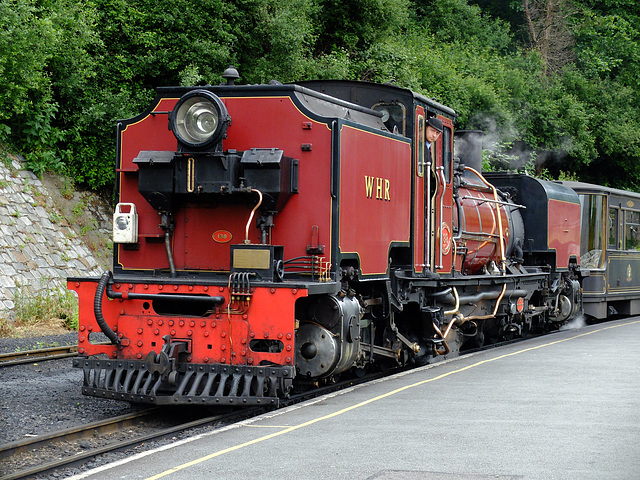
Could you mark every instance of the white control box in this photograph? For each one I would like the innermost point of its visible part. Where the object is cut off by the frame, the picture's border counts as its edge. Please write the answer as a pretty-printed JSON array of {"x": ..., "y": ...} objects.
[{"x": 125, "y": 224}]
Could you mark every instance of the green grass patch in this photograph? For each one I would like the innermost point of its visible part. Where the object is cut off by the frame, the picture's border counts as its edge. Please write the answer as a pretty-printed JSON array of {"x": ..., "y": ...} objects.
[{"x": 41, "y": 311}]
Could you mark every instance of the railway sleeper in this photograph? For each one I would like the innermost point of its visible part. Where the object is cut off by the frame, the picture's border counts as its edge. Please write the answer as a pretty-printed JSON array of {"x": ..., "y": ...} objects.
[{"x": 198, "y": 384}]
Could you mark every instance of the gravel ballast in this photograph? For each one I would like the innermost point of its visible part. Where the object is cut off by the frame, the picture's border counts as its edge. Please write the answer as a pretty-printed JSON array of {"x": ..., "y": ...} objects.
[{"x": 42, "y": 397}]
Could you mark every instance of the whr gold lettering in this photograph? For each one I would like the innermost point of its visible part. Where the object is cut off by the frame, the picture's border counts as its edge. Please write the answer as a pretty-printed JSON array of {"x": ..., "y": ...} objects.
[{"x": 382, "y": 188}]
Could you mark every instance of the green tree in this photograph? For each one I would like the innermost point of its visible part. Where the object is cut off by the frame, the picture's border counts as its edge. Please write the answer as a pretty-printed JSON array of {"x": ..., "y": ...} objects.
[
  {"x": 356, "y": 25},
  {"x": 41, "y": 75},
  {"x": 459, "y": 22},
  {"x": 144, "y": 44},
  {"x": 609, "y": 46},
  {"x": 273, "y": 40}
]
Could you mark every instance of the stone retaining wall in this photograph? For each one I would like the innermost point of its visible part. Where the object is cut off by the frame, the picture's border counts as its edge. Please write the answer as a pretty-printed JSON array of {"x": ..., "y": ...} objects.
[{"x": 39, "y": 246}]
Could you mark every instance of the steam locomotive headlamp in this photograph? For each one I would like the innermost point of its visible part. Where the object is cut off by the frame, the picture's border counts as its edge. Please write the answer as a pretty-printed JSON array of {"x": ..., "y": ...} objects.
[{"x": 199, "y": 119}]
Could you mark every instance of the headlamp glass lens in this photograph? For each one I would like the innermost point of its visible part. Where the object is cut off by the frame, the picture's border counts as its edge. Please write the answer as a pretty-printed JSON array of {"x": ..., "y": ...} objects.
[{"x": 197, "y": 120}]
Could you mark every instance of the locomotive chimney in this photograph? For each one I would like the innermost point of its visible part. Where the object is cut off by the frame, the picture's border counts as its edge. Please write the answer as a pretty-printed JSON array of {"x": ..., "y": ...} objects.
[{"x": 468, "y": 147}]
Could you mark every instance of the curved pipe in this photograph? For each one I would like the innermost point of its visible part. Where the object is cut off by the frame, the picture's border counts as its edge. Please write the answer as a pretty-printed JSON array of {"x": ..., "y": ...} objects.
[
  {"x": 97, "y": 309},
  {"x": 444, "y": 342},
  {"x": 246, "y": 230},
  {"x": 441, "y": 293},
  {"x": 457, "y": 305},
  {"x": 459, "y": 318},
  {"x": 495, "y": 310}
]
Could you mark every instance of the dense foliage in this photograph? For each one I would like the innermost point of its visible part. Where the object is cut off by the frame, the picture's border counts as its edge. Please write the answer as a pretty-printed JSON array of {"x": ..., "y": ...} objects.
[{"x": 554, "y": 83}]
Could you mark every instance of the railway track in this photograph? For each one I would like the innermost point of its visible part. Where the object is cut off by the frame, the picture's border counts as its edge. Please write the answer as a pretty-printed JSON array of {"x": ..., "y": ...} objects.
[
  {"x": 74, "y": 446},
  {"x": 40, "y": 355}
]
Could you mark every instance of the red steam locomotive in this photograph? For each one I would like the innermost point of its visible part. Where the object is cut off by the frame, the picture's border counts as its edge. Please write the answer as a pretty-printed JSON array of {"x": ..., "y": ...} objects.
[{"x": 270, "y": 237}]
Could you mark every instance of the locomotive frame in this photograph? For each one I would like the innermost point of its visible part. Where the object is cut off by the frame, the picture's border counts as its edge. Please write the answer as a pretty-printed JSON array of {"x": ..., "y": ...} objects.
[{"x": 275, "y": 237}]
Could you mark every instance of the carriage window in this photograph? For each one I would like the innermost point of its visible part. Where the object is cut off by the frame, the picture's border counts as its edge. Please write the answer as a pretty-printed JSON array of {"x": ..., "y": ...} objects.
[
  {"x": 613, "y": 228},
  {"x": 592, "y": 231},
  {"x": 631, "y": 230},
  {"x": 420, "y": 149}
]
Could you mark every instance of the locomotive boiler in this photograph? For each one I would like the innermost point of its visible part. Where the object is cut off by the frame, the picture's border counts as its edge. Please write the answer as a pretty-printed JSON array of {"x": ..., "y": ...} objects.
[{"x": 274, "y": 237}]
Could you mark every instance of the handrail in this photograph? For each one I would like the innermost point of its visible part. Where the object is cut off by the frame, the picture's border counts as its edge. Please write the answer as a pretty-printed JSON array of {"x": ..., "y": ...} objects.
[
  {"x": 427, "y": 236},
  {"x": 443, "y": 185}
]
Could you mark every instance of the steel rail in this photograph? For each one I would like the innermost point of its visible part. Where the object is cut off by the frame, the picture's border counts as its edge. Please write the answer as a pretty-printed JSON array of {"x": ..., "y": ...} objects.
[
  {"x": 73, "y": 433},
  {"x": 41, "y": 354}
]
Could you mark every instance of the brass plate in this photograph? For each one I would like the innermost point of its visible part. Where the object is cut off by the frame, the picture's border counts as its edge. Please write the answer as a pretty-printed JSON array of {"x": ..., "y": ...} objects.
[{"x": 252, "y": 259}]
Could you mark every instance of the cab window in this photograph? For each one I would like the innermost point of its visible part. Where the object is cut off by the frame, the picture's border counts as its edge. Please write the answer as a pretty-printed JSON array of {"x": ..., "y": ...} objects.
[
  {"x": 420, "y": 147},
  {"x": 393, "y": 116},
  {"x": 446, "y": 153}
]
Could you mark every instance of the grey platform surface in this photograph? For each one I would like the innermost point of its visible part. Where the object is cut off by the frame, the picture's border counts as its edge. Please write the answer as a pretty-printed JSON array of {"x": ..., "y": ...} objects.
[{"x": 564, "y": 406}]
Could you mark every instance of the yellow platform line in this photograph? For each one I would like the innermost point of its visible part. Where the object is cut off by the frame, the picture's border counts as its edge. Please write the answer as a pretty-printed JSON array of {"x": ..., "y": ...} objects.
[{"x": 267, "y": 426}]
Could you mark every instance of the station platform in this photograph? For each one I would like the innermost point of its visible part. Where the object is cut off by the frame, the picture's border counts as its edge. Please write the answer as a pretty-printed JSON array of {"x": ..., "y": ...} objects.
[{"x": 562, "y": 406}]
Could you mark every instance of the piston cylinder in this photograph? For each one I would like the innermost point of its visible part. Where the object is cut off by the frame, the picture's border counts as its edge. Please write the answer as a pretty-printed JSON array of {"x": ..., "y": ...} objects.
[{"x": 329, "y": 344}]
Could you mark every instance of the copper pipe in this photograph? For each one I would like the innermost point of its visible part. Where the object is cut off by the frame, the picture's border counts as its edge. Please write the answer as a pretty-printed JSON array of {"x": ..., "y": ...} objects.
[
  {"x": 456, "y": 317},
  {"x": 246, "y": 230},
  {"x": 495, "y": 310},
  {"x": 457, "y": 307},
  {"x": 446, "y": 346}
]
